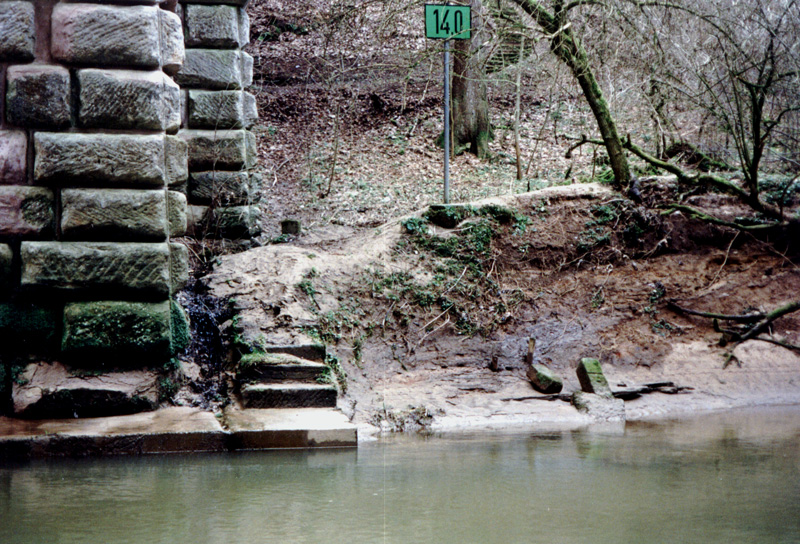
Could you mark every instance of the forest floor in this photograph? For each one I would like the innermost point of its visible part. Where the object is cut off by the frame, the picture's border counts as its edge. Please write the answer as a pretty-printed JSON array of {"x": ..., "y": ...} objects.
[{"x": 414, "y": 314}]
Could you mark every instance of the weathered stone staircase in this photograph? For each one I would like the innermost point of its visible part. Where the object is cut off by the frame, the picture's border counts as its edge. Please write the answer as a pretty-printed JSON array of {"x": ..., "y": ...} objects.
[{"x": 293, "y": 376}]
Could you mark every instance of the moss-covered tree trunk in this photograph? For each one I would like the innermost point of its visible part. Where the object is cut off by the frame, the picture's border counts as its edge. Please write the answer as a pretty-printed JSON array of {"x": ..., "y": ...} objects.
[
  {"x": 568, "y": 49},
  {"x": 469, "y": 102}
]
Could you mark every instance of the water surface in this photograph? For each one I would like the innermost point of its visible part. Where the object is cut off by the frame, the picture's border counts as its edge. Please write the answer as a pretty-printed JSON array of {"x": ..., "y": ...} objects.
[{"x": 725, "y": 478}]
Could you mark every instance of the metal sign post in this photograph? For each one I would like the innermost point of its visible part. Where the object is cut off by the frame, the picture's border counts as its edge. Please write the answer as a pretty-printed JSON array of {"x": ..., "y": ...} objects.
[
  {"x": 447, "y": 121},
  {"x": 445, "y": 22}
]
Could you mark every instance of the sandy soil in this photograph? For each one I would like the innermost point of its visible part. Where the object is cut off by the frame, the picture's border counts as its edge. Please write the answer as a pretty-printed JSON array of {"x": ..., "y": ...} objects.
[{"x": 420, "y": 371}]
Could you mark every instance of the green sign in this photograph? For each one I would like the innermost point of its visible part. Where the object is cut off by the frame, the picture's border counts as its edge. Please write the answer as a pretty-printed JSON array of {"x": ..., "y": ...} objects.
[{"x": 448, "y": 22}]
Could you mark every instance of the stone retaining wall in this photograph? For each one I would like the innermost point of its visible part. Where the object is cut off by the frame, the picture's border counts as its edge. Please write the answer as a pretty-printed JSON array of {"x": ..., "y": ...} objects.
[
  {"x": 217, "y": 113},
  {"x": 107, "y": 123},
  {"x": 91, "y": 172}
]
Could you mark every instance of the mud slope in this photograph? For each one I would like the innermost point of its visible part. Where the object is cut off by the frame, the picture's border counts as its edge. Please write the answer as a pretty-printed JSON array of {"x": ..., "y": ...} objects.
[{"x": 415, "y": 313}]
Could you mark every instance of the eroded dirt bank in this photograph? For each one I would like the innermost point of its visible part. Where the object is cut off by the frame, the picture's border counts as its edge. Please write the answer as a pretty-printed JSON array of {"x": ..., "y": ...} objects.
[{"x": 414, "y": 313}]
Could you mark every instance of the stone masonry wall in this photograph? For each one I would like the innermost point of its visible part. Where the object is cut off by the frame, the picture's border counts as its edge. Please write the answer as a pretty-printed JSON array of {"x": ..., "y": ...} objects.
[
  {"x": 90, "y": 160},
  {"x": 216, "y": 115}
]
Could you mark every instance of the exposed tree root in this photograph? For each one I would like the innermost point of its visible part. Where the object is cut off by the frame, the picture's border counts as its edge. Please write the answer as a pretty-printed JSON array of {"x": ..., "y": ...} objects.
[{"x": 754, "y": 325}]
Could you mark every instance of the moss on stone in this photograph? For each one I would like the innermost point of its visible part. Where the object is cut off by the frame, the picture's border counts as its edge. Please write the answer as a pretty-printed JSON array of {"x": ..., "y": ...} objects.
[
  {"x": 591, "y": 377},
  {"x": 117, "y": 327},
  {"x": 180, "y": 329}
]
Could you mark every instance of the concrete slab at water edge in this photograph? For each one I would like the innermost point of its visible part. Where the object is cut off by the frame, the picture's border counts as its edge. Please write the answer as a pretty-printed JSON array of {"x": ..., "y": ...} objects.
[
  {"x": 289, "y": 428},
  {"x": 175, "y": 430}
]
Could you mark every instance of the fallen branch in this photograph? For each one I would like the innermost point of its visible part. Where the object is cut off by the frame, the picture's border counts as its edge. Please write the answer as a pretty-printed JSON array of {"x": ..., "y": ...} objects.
[
  {"x": 769, "y": 210},
  {"x": 697, "y": 214},
  {"x": 583, "y": 140},
  {"x": 765, "y": 321},
  {"x": 668, "y": 388},
  {"x": 762, "y": 325},
  {"x": 742, "y": 318},
  {"x": 627, "y": 393},
  {"x": 781, "y": 343}
]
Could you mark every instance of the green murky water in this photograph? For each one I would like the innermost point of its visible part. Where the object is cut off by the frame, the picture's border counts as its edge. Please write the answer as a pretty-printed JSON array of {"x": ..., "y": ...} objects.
[{"x": 731, "y": 478}]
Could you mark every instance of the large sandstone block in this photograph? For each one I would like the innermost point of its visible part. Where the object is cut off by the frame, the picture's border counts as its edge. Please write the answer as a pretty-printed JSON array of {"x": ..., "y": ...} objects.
[
  {"x": 136, "y": 269},
  {"x": 172, "y": 48},
  {"x": 237, "y": 221},
  {"x": 176, "y": 213},
  {"x": 179, "y": 266},
  {"x": 119, "y": 36},
  {"x": 177, "y": 165},
  {"x": 247, "y": 70},
  {"x": 180, "y": 330},
  {"x": 17, "y": 32},
  {"x": 37, "y": 96},
  {"x": 113, "y": 214},
  {"x": 233, "y": 222},
  {"x": 26, "y": 212},
  {"x": 103, "y": 159},
  {"x": 250, "y": 109},
  {"x": 13, "y": 157},
  {"x": 216, "y": 69},
  {"x": 50, "y": 390},
  {"x": 221, "y": 109},
  {"x": 224, "y": 188},
  {"x": 220, "y": 149},
  {"x": 128, "y": 99},
  {"x": 117, "y": 327},
  {"x": 215, "y": 26}
]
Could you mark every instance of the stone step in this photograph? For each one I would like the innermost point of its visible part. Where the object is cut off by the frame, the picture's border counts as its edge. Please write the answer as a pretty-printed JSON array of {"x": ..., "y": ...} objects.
[
  {"x": 51, "y": 391},
  {"x": 288, "y": 395},
  {"x": 276, "y": 367},
  {"x": 312, "y": 352}
]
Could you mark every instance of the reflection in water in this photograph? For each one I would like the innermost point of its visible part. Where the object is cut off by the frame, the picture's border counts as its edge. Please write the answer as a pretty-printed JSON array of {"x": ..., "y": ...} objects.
[{"x": 732, "y": 478}]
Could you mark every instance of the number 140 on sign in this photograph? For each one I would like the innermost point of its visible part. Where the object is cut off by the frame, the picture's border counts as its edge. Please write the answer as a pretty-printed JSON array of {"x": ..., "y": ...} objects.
[{"x": 448, "y": 22}]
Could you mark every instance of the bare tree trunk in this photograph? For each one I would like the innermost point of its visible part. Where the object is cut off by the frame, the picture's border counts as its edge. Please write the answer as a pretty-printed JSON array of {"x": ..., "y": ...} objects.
[
  {"x": 470, "y": 103},
  {"x": 517, "y": 107},
  {"x": 569, "y": 50}
]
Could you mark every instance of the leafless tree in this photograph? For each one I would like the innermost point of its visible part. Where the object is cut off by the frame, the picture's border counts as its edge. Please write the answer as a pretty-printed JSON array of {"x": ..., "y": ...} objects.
[{"x": 737, "y": 63}]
